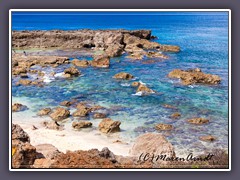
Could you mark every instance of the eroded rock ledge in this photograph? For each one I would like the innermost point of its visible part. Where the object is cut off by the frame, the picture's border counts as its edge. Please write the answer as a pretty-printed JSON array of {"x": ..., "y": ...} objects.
[{"x": 113, "y": 42}]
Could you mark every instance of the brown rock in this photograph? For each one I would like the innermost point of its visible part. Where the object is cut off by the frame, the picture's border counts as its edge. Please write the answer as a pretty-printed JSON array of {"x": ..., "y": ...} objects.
[
  {"x": 19, "y": 70},
  {"x": 107, "y": 125},
  {"x": 19, "y": 134},
  {"x": 23, "y": 153},
  {"x": 82, "y": 124},
  {"x": 47, "y": 151},
  {"x": 72, "y": 71},
  {"x": 66, "y": 103},
  {"x": 101, "y": 61},
  {"x": 135, "y": 84},
  {"x": 82, "y": 159},
  {"x": 59, "y": 114},
  {"x": 144, "y": 88},
  {"x": 207, "y": 138},
  {"x": 99, "y": 115},
  {"x": 123, "y": 75},
  {"x": 164, "y": 127},
  {"x": 80, "y": 63},
  {"x": 18, "y": 107},
  {"x": 152, "y": 54},
  {"x": 175, "y": 115},
  {"x": 95, "y": 108},
  {"x": 52, "y": 125},
  {"x": 198, "y": 121},
  {"x": 82, "y": 112},
  {"x": 153, "y": 144},
  {"x": 42, "y": 163},
  {"x": 24, "y": 82},
  {"x": 44, "y": 111},
  {"x": 194, "y": 76}
]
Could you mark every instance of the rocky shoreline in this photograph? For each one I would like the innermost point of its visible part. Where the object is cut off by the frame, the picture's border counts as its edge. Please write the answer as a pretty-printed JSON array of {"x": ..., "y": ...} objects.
[{"x": 103, "y": 45}]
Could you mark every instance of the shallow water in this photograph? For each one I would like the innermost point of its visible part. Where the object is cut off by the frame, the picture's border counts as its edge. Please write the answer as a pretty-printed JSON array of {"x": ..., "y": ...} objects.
[{"x": 204, "y": 44}]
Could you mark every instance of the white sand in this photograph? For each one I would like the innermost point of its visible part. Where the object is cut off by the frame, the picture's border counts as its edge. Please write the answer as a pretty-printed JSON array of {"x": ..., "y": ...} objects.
[{"x": 67, "y": 139}]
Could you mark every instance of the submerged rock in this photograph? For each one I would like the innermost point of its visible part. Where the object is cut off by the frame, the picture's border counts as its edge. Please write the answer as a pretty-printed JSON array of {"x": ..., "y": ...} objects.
[
  {"x": 16, "y": 107},
  {"x": 208, "y": 138},
  {"x": 164, "y": 127},
  {"x": 169, "y": 106},
  {"x": 198, "y": 121},
  {"x": 107, "y": 125},
  {"x": 66, "y": 103},
  {"x": 123, "y": 75},
  {"x": 82, "y": 124},
  {"x": 152, "y": 143},
  {"x": 194, "y": 76},
  {"x": 175, "y": 115},
  {"x": 99, "y": 115},
  {"x": 44, "y": 111},
  {"x": 59, "y": 114}
]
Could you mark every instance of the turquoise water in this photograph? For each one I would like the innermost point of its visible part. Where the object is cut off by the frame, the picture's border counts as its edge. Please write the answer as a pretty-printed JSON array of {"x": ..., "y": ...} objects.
[{"x": 203, "y": 38}]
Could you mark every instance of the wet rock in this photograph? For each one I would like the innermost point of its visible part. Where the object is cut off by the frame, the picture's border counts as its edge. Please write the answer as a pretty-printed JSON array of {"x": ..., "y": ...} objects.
[
  {"x": 153, "y": 144},
  {"x": 164, "y": 127},
  {"x": 23, "y": 75},
  {"x": 97, "y": 107},
  {"x": 52, "y": 125},
  {"x": 142, "y": 129},
  {"x": 153, "y": 54},
  {"x": 139, "y": 55},
  {"x": 59, "y": 114},
  {"x": 99, "y": 115},
  {"x": 143, "y": 88},
  {"x": 80, "y": 63},
  {"x": 16, "y": 107},
  {"x": 82, "y": 124},
  {"x": 71, "y": 72},
  {"x": 198, "y": 121},
  {"x": 66, "y": 103},
  {"x": 175, "y": 115},
  {"x": 123, "y": 75},
  {"x": 194, "y": 76},
  {"x": 24, "y": 82},
  {"x": 47, "y": 151},
  {"x": 44, "y": 111},
  {"x": 101, "y": 61},
  {"x": 23, "y": 153},
  {"x": 208, "y": 138},
  {"x": 107, "y": 125},
  {"x": 81, "y": 112},
  {"x": 135, "y": 84}
]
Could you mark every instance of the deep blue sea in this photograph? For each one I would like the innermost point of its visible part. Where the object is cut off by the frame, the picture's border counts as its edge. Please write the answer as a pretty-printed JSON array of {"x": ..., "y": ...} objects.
[{"x": 203, "y": 39}]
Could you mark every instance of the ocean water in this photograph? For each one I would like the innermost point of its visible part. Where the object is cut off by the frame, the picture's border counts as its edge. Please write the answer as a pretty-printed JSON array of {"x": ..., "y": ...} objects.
[{"x": 203, "y": 39}]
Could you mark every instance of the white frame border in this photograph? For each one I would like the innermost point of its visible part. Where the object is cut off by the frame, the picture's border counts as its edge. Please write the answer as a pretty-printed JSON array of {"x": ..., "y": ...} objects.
[{"x": 120, "y": 10}]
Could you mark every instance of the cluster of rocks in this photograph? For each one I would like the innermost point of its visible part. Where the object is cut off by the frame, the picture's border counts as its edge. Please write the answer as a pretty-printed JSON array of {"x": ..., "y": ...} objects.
[
  {"x": 112, "y": 42},
  {"x": 194, "y": 76},
  {"x": 59, "y": 114},
  {"x": 24, "y": 155}
]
